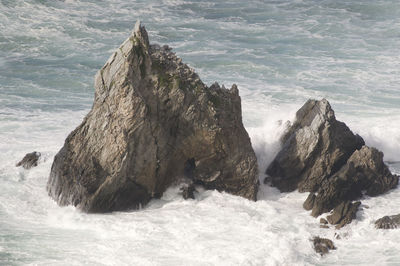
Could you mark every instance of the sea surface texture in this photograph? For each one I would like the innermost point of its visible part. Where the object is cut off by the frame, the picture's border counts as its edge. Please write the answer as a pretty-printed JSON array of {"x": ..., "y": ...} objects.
[{"x": 279, "y": 53}]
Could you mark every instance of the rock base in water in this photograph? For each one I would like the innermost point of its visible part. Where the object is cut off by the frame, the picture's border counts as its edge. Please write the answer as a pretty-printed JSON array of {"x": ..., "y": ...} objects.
[
  {"x": 343, "y": 214},
  {"x": 188, "y": 191},
  {"x": 314, "y": 147},
  {"x": 323, "y": 245}
]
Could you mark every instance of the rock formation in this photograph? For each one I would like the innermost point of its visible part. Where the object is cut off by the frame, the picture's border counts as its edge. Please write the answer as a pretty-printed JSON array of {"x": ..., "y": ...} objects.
[
  {"x": 343, "y": 213},
  {"x": 322, "y": 245},
  {"x": 30, "y": 160},
  {"x": 388, "y": 222},
  {"x": 153, "y": 121},
  {"x": 365, "y": 172},
  {"x": 313, "y": 148},
  {"x": 323, "y": 221},
  {"x": 321, "y": 155}
]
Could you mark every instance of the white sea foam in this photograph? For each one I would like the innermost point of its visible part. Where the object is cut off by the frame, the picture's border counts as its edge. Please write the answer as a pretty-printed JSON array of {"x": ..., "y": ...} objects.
[{"x": 279, "y": 53}]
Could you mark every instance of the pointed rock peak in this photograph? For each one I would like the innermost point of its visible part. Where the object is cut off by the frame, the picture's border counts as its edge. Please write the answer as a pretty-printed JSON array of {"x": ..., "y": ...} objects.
[
  {"x": 141, "y": 33},
  {"x": 234, "y": 89},
  {"x": 142, "y": 94},
  {"x": 138, "y": 25},
  {"x": 215, "y": 86},
  {"x": 313, "y": 109},
  {"x": 325, "y": 107}
]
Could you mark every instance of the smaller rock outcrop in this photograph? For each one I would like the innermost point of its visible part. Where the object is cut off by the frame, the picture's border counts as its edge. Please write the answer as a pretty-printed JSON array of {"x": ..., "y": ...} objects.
[
  {"x": 313, "y": 148},
  {"x": 30, "y": 160},
  {"x": 388, "y": 222},
  {"x": 322, "y": 156},
  {"x": 343, "y": 214},
  {"x": 323, "y": 245}
]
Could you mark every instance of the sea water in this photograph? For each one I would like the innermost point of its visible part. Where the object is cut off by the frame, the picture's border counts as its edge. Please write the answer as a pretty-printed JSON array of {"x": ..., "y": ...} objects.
[{"x": 279, "y": 53}]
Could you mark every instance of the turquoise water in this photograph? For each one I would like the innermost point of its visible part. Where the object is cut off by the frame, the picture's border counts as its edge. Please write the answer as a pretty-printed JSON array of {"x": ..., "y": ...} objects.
[{"x": 280, "y": 53}]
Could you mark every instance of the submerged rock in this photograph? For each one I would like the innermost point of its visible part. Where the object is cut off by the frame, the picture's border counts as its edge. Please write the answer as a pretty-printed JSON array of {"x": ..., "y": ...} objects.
[
  {"x": 153, "y": 121},
  {"x": 321, "y": 155},
  {"x": 323, "y": 245},
  {"x": 388, "y": 222},
  {"x": 30, "y": 160}
]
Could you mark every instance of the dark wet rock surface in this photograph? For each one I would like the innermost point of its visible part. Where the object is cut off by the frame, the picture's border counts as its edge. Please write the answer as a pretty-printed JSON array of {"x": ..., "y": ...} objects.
[
  {"x": 323, "y": 245},
  {"x": 388, "y": 222},
  {"x": 188, "y": 191},
  {"x": 323, "y": 221},
  {"x": 30, "y": 160},
  {"x": 343, "y": 214},
  {"x": 364, "y": 172}
]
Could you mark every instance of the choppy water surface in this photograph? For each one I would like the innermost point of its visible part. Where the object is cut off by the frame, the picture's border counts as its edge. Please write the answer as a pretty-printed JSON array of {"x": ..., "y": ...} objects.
[{"x": 280, "y": 53}]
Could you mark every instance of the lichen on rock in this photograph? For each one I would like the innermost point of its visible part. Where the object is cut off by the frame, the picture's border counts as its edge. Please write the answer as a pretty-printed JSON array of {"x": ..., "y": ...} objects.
[{"x": 153, "y": 121}]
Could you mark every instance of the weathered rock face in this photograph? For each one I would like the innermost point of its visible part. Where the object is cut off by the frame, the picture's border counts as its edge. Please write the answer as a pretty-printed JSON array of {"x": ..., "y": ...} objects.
[
  {"x": 30, "y": 160},
  {"x": 321, "y": 155},
  {"x": 365, "y": 171},
  {"x": 153, "y": 122},
  {"x": 388, "y": 222},
  {"x": 313, "y": 148}
]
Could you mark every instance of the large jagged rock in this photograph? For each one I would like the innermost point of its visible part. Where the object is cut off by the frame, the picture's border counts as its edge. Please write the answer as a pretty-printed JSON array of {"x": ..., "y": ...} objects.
[
  {"x": 321, "y": 155},
  {"x": 313, "y": 148},
  {"x": 152, "y": 123}
]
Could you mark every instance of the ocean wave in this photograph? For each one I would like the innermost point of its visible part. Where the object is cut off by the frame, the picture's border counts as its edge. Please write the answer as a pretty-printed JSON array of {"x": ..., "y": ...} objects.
[{"x": 280, "y": 53}]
